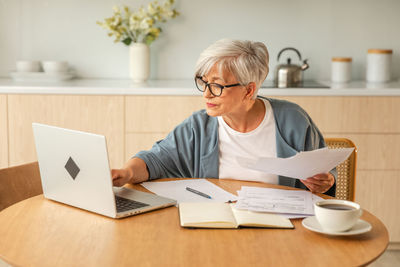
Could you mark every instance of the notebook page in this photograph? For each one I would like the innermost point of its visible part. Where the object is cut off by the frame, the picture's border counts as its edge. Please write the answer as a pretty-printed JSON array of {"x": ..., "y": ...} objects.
[
  {"x": 260, "y": 219},
  {"x": 197, "y": 214}
]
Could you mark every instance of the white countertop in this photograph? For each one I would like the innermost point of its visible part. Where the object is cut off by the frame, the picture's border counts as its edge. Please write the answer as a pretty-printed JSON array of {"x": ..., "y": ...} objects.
[{"x": 182, "y": 87}]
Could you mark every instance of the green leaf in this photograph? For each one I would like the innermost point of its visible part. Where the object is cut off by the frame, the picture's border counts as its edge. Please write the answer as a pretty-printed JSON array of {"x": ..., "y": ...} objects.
[{"x": 127, "y": 41}]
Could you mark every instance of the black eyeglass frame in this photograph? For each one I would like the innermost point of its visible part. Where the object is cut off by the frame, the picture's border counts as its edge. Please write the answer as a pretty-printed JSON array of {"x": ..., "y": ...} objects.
[{"x": 209, "y": 88}]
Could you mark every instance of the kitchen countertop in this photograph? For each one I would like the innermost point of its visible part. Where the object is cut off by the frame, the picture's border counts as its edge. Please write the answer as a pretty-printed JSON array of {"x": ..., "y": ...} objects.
[{"x": 182, "y": 87}]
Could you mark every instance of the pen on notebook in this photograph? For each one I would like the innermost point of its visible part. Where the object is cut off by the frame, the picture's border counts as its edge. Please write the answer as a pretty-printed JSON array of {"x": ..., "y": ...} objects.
[{"x": 198, "y": 192}]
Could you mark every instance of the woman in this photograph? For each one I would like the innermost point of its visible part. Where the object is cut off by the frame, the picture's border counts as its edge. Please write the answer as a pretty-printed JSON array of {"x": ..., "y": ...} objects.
[{"x": 236, "y": 123}]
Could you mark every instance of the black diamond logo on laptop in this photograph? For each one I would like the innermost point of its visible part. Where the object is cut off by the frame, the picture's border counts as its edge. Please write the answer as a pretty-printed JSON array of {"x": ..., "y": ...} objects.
[{"x": 72, "y": 168}]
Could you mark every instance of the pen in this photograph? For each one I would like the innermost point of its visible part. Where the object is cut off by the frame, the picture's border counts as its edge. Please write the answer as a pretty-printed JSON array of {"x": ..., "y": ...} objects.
[{"x": 198, "y": 192}]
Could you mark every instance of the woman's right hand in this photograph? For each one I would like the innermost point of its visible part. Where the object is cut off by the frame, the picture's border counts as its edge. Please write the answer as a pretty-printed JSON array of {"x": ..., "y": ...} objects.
[
  {"x": 135, "y": 171},
  {"x": 121, "y": 177}
]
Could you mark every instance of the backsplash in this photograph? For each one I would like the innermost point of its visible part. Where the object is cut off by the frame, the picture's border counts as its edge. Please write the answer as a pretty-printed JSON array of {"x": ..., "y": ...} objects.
[{"x": 319, "y": 29}]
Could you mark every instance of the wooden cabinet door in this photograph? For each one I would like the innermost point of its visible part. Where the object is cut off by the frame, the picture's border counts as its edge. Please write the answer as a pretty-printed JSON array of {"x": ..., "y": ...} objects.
[
  {"x": 150, "y": 118},
  {"x": 96, "y": 114},
  {"x": 352, "y": 114},
  {"x": 3, "y": 132}
]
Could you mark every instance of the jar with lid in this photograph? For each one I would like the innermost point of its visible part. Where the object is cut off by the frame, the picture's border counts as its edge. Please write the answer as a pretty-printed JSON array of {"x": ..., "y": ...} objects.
[
  {"x": 379, "y": 63},
  {"x": 341, "y": 69}
]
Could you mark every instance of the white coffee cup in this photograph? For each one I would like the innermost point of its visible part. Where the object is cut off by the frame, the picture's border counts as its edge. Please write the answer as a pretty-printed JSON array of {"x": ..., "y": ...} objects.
[
  {"x": 55, "y": 66},
  {"x": 335, "y": 215},
  {"x": 27, "y": 66}
]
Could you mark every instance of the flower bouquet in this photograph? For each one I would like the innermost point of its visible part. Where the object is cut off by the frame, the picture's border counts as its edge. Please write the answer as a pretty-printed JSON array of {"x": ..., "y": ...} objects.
[{"x": 140, "y": 26}]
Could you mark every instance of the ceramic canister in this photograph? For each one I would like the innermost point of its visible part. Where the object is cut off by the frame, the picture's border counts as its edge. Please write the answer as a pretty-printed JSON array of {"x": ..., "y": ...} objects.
[
  {"x": 341, "y": 69},
  {"x": 379, "y": 63}
]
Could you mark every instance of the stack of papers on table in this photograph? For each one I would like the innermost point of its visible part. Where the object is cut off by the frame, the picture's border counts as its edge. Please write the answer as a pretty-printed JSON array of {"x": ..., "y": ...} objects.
[{"x": 290, "y": 203}]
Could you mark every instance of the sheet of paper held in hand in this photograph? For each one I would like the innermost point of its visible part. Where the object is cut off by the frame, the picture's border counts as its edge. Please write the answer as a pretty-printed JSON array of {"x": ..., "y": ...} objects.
[
  {"x": 177, "y": 190},
  {"x": 260, "y": 199},
  {"x": 302, "y": 165}
]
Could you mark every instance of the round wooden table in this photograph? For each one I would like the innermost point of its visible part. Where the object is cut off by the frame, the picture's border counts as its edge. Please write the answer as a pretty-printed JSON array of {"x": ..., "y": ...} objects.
[{"x": 41, "y": 232}]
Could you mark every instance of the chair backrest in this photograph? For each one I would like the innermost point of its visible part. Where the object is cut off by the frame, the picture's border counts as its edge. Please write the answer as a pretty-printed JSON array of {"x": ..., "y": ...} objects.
[
  {"x": 346, "y": 171},
  {"x": 19, "y": 183}
]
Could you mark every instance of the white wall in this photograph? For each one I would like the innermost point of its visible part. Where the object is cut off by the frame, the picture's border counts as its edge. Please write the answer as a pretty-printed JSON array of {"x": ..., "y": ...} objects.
[{"x": 320, "y": 29}]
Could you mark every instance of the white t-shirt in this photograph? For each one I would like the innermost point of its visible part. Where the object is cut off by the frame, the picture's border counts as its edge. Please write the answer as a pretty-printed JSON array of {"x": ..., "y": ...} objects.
[{"x": 260, "y": 142}]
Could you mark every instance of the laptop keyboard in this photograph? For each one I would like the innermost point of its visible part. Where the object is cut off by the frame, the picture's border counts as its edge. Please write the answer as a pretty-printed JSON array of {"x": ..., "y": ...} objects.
[{"x": 124, "y": 204}]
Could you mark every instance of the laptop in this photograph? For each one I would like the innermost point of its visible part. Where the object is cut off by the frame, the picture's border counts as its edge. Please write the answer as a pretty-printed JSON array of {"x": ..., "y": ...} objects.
[{"x": 74, "y": 169}]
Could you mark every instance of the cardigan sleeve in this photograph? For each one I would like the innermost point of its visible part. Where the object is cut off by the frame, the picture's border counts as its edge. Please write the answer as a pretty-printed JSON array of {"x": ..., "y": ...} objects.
[
  {"x": 190, "y": 150},
  {"x": 172, "y": 156}
]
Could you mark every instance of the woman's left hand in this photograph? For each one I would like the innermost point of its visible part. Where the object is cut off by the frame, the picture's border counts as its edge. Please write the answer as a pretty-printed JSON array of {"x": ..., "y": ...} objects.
[{"x": 319, "y": 183}]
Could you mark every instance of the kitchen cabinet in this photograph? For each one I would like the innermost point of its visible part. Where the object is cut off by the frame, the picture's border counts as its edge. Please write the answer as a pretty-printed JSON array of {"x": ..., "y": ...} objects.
[
  {"x": 378, "y": 192},
  {"x": 151, "y": 118},
  {"x": 159, "y": 113},
  {"x": 132, "y": 119},
  {"x": 95, "y": 114},
  {"x": 3, "y": 132},
  {"x": 352, "y": 114}
]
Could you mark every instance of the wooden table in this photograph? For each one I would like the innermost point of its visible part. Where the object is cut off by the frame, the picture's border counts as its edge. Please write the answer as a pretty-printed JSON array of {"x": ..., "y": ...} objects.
[{"x": 40, "y": 232}]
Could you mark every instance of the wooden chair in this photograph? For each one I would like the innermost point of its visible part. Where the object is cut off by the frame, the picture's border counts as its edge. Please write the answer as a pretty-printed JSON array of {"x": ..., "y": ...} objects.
[
  {"x": 19, "y": 183},
  {"x": 346, "y": 178}
]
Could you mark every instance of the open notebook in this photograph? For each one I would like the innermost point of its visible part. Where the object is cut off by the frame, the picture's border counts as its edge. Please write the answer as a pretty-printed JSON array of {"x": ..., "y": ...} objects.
[{"x": 224, "y": 215}]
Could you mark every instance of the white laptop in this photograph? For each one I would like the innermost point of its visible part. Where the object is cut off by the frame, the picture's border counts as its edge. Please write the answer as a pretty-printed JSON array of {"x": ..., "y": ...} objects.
[{"x": 74, "y": 169}]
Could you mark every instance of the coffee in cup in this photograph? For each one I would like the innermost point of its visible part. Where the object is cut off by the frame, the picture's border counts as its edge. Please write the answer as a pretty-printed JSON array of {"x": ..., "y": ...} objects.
[{"x": 335, "y": 215}]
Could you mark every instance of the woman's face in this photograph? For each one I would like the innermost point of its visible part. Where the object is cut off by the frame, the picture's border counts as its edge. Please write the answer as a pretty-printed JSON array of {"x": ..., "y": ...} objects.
[{"x": 231, "y": 100}]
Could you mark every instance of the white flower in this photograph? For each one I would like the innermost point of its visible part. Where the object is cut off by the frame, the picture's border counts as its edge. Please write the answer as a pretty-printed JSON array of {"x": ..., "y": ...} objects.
[{"x": 140, "y": 25}]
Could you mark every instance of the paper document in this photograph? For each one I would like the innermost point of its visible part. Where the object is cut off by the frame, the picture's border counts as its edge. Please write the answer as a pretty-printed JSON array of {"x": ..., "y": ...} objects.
[
  {"x": 275, "y": 200},
  {"x": 315, "y": 199},
  {"x": 302, "y": 165},
  {"x": 177, "y": 190}
]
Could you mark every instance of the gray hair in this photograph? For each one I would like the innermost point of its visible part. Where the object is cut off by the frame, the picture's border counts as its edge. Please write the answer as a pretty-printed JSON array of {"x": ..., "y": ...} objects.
[{"x": 246, "y": 60}]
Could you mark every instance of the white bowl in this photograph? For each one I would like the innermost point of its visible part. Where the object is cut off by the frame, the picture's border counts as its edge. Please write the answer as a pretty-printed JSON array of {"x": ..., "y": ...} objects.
[
  {"x": 55, "y": 66},
  {"x": 27, "y": 66}
]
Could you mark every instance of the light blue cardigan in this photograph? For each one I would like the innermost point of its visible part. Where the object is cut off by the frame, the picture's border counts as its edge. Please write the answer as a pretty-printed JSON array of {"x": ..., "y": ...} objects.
[{"x": 191, "y": 149}]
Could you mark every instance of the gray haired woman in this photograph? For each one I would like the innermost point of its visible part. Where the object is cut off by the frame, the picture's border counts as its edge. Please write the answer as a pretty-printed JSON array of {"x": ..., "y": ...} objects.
[{"x": 236, "y": 123}]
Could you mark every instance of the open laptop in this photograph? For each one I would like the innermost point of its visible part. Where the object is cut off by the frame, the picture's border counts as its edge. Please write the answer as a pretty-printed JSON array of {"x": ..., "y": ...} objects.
[{"x": 74, "y": 169}]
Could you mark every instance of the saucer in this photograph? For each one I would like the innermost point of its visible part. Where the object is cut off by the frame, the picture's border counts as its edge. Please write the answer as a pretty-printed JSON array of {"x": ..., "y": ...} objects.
[
  {"x": 41, "y": 76},
  {"x": 360, "y": 227}
]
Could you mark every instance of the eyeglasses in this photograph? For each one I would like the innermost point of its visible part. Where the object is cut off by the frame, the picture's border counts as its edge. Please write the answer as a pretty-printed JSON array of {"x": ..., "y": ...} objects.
[{"x": 215, "y": 88}]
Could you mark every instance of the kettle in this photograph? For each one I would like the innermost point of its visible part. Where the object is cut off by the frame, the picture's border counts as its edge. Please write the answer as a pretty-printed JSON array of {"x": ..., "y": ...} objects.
[{"x": 290, "y": 75}]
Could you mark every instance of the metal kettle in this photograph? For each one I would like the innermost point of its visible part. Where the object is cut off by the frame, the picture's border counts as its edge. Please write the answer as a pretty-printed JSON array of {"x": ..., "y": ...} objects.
[{"x": 290, "y": 75}]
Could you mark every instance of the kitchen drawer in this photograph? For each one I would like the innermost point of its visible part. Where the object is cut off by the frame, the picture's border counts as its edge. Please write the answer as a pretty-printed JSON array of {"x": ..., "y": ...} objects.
[
  {"x": 146, "y": 114},
  {"x": 136, "y": 142},
  {"x": 378, "y": 192},
  {"x": 348, "y": 114},
  {"x": 3, "y": 132},
  {"x": 96, "y": 114},
  {"x": 375, "y": 151}
]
